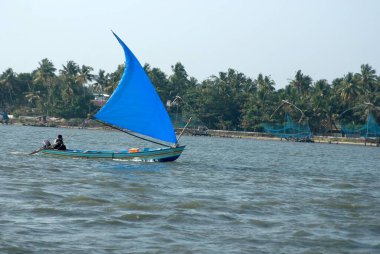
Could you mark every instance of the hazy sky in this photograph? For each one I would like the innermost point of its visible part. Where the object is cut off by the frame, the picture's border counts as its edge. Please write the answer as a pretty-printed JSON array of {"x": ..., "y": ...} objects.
[{"x": 323, "y": 38}]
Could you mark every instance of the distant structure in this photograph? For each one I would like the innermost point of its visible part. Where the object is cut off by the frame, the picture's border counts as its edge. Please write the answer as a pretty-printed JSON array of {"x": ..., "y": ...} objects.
[
  {"x": 100, "y": 99},
  {"x": 368, "y": 130},
  {"x": 289, "y": 130}
]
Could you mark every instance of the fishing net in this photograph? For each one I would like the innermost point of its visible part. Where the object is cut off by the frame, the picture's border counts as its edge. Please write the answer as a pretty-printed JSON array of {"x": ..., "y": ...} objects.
[
  {"x": 289, "y": 130},
  {"x": 368, "y": 130},
  {"x": 180, "y": 120},
  {"x": 180, "y": 113}
]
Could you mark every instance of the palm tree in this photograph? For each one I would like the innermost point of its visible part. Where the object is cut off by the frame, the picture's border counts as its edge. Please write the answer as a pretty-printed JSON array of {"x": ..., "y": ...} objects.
[
  {"x": 349, "y": 90},
  {"x": 320, "y": 103},
  {"x": 101, "y": 80},
  {"x": 71, "y": 89},
  {"x": 45, "y": 74},
  {"x": 84, "y": 76},
  {"x": 265, "y": 83},
  {"x": 7, "y": 81},
  {"x": 113, "y": 79},
  {"x": 265, "y": 86},
  {"x": 301, "y": 82},
  {"x": 178, "y": 81},
  {"x": 32, "y": 97},
  {"x": 25, "y": 85},
  {"x": 367, "y": 78},
  {"x": 71, "y": 69}
]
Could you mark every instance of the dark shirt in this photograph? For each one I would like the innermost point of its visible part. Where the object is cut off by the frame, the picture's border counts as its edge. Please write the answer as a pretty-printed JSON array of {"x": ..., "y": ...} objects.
[{"x": 58, "y": 144}]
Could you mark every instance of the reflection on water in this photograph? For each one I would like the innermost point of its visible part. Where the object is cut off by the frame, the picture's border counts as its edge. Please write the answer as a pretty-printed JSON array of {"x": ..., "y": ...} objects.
[{"x": 221, "y": 196}]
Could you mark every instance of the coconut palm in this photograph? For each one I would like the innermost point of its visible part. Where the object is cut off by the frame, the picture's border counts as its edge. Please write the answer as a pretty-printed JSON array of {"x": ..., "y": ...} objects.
[
  {"x": 33, "y": 97},
  {"x": 178, "y": 81},
  {"x": 265, "y": 86},
  {"x": 45, "y": 75},
  {"x": 70, "y": 87},
  {"x": 265, "y": 83},
  {"x": 71, "y": 69},
  {"x": 85, "y": 75},
  {"x": 301, "y": 82},
  {"x": 321, "y": 105},
  {"x": 100, "y": 81},
  {"x": 113, "y": 79},
  {"x": 367, "y": 78},
  {"x": 349, "y": 89},
  {"x": 8, "y": 81}
]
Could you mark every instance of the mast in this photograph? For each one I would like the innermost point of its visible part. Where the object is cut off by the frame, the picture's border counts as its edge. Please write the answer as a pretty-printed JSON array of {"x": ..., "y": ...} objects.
[{"x": 132, "y": 134}]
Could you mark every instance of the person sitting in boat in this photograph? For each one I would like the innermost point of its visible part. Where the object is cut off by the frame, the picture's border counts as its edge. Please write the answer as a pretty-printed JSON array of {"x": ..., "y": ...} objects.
[
  {"x": 58, "y": 143},
  {"x": 47, "y": 144}
]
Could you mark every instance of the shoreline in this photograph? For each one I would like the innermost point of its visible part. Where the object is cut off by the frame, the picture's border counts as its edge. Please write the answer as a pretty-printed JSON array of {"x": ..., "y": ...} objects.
[
  {"x": 92, "y": 125},
  {"x": 315, "y": 139}
]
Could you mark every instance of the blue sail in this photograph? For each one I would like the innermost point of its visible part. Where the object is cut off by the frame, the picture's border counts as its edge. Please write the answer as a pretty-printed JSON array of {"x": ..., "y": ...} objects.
[{"x": 135, "y": 104}]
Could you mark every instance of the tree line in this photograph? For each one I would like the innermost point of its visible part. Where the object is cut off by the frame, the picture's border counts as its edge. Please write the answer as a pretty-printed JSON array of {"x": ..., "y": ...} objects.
[{"x": 229, "y": 100}]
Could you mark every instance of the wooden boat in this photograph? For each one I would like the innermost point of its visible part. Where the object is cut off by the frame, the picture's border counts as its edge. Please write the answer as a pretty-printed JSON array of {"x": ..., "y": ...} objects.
[
  {"x": 136, "y": 109},
  {"x": 137, "y": 154}
]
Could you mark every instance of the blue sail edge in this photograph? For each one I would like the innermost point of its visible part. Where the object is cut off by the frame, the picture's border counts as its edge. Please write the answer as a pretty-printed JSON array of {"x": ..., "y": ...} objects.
[{"x": 135, "y": 104}]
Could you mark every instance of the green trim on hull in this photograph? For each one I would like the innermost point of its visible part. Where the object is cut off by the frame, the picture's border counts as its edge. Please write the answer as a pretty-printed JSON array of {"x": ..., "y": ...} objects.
[{"x": 145, "y": 154}]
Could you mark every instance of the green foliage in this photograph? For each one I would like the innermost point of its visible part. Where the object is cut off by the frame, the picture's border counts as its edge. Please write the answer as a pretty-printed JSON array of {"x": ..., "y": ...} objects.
[{"x": 229, "y": 100}]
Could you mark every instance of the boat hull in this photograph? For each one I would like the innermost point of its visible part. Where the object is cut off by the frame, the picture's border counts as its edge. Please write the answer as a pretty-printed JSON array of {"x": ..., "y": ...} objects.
[{"x": 144, "y": 154}]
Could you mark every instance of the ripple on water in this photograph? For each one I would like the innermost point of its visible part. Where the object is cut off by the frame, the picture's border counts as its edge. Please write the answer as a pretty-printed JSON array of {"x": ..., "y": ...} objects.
[
  {"x": 101, "y": 222},
  {"x": 15, "y": 249},
  {"x": 242, "y": 196},
  {"x": 139, "y": 217},
  {"x": 52, "y": 211},
  {"x": 343, "y": 186},
  {"x": 264, "y": 223},
  {"x": 85, "y": 200},
  {"x": 40, "y": 194},
  {"x": 190, "y": 205},
  {"x": 139, "y": 207},
  {"x": 302, "y": 233}
]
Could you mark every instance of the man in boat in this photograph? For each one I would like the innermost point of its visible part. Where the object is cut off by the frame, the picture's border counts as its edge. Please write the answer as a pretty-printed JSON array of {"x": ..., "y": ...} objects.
[
  {"x": 47, "y": 144},
  {"x": 58, "y": 143}
]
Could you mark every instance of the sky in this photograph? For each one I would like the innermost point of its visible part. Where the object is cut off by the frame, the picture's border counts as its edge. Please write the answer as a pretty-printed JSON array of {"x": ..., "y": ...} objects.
[{"x": 325, "y": 39}]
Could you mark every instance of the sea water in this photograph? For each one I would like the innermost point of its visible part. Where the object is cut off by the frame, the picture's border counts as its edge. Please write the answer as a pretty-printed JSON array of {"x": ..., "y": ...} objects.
[{"x": 222, "y": 195}]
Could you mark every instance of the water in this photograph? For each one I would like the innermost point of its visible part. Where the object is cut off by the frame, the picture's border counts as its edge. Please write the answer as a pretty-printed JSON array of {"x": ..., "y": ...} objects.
[{"x": 221, "y": 196}]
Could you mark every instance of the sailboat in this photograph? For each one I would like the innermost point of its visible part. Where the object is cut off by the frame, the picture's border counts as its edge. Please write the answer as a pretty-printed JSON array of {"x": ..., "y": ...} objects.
[{"x": 136, "y": 109}]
